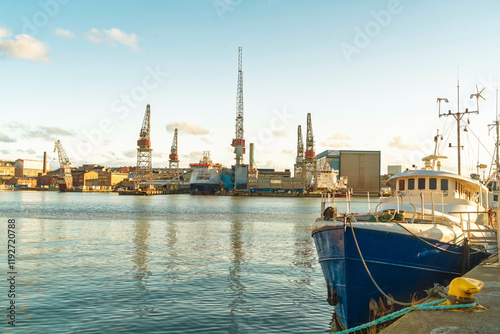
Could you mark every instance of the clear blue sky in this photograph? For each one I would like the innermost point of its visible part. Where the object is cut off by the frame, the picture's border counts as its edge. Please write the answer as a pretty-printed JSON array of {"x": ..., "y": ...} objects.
[{"x": 368, "y": 71}]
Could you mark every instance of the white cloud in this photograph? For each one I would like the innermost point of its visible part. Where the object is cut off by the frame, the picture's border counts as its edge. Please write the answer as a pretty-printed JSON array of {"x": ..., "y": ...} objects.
[
  {"x": 337, "y": 141},
  {"x": 277, "y": 133},
  {"x": 336, "y": 144},
  {"x": 340, "y": 136},
  {"x": 23, "y": 47},
  {"x": 6, "y": 139},
  {"x": 397, "y": 142},
  {"x": 112, "y": 37},
  {"x": 5, "y": 32},
  {"x": 130, "y": 153},
  {"x": 192, "y": 157},
  {"x": 65, "y": 34},
  {"x": 187, "y": 128}
]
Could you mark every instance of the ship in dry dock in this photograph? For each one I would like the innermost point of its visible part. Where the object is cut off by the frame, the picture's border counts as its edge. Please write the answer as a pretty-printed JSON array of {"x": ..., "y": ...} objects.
[{"x": 205, "y": 178}]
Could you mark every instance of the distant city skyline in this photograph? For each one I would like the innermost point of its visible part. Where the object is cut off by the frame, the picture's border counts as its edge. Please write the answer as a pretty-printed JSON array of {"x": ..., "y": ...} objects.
[{"x": 369, "y": 72}]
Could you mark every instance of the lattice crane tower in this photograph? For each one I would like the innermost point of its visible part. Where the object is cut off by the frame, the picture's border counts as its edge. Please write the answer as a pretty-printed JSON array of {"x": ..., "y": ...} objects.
[
  {"x": 239, "y": 142},
  {"x": 144, "y": 168},
  {"x": 173, "y": 161},
  {"x": 310, "y": 163},
  {"x": 64, "y": 162},
  {"x": 65, "y": 179},
  {"x": 299, "y": 161}
]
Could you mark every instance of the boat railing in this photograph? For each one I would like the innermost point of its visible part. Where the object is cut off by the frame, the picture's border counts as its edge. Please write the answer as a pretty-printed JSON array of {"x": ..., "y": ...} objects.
[
  {"x": 470, "y": 231},
  {"x": 400, "y": 200}
]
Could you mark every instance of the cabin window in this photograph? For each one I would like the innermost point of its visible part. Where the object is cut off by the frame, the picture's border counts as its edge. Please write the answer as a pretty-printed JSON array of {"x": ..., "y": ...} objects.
[
  {"x": 421, "y": 183},
  {"x": 432, "y": 183},
  {"x": 411, "y": 184},
  {"x": 401, "y": 185},
  {"x": 444, "y": 184}
]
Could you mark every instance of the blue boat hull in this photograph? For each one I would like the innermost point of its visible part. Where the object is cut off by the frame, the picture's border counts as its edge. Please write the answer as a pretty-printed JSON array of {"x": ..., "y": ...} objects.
[{"x": 401, "y": 265}]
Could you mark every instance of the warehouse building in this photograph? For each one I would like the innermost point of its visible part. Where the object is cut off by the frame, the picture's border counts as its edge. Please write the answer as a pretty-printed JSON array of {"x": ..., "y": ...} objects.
[
  {"x": 30, "y": 168},
  {"x": 362, "y": 168}
]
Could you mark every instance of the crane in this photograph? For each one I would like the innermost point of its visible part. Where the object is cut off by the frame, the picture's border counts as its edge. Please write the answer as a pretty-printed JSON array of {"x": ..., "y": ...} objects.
[
  {"x": 309, "y": 138},
  {"x": 174, "y": 157},
  {"x": 144, "y": 152},
  {"x": 239, "y": 143},
  {"x": 64, "y": 162},
  {"x": 173, "y": 166},
  {"x": 310, "y": 163},
  {"x": 64, "y": 180},
  {"x": 299, "y": 161}
]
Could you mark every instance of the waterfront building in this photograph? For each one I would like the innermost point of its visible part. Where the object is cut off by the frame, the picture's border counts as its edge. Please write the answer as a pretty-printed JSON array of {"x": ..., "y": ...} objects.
[
  {"x": 110, "y": 179},
  {"x": 394, "y": 169},
  {"x": 80, "y": 178},
  {"x": 46, "y": 180},
  {"x": 30, "y": 168},
  {"x": 29, "y": 182},
  {"x": 7, "y": 168}
]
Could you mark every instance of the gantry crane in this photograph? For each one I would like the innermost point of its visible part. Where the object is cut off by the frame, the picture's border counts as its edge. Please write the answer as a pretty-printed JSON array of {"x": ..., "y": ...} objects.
[
  {"x": 299, "y": 161},
  {"x": 173, "y": 161},
  {"x": 310, "y": 163},
  {"x": 240, "y": 169},
  {"x": 238, "y": 142},
  {"x": 65, "y": 180},
  {"x": 144, "y": 168},
  {"x": 64, "y": 162}
]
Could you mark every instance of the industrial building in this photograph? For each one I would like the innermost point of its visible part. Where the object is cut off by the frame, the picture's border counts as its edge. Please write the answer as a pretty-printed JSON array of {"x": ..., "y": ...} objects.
[
  {"x": 362, "y": 168},
  {"x": 46, "y": 180},
  {"x": 110, "y": 179},
  {"x": 30, "y": 168},
  {"x": 26, "y": 182},
  {"x": 81, "y": 179},
  {"x": 7, "y": 168},
  {"x": 394, "y": 169}
]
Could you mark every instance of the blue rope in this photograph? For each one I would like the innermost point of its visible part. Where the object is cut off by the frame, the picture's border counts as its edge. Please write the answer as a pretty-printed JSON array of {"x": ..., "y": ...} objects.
[{"x": 394, "y": 315}]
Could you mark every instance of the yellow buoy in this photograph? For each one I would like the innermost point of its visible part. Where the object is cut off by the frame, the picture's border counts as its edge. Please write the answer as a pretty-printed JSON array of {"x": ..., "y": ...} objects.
[{"x": 462, "y": 290}]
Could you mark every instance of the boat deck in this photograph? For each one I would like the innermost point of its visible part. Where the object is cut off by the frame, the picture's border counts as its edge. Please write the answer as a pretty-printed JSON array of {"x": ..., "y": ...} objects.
[{"x": 460, "y": 322}]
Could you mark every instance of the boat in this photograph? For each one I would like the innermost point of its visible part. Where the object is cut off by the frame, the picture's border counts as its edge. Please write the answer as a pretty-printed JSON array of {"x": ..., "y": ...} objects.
[
  {"x": 205, "y": 179},
  {"x": 435, "y": 226},
  {"x": 415, "y": 239},
  {"x": 328, "y": 180}
]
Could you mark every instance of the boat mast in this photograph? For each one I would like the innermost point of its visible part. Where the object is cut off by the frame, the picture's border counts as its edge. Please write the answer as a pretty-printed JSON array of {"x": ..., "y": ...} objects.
[
  {"x": 459, "y": 115},
  {"x": 459, "y": 119},
  {"x": 496, "y": 124}
]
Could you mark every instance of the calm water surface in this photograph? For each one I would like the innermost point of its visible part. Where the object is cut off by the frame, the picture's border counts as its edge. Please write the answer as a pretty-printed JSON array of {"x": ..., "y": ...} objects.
[{"x": 104, "y": 263}]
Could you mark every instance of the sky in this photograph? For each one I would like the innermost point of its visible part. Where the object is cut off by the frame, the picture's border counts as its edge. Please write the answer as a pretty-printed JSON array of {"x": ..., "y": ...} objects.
[{"x": 369, "y": 72}]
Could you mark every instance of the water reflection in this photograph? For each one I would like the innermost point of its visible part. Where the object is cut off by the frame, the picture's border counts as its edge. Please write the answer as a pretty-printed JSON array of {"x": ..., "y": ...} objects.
[
  {"x": 141, "y": 259},
  {"x": 172, "y": 254},
  {"x": 235, "y": 285},
  {"x": 304, "y": 257}
]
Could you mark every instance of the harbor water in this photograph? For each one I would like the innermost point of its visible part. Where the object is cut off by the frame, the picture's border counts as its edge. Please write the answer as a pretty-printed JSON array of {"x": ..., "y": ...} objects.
[{"x": 104, "y": 263}]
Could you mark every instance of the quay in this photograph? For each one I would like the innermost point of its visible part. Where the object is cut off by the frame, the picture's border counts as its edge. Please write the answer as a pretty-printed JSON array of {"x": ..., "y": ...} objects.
[{"x": 455, "y": 322}]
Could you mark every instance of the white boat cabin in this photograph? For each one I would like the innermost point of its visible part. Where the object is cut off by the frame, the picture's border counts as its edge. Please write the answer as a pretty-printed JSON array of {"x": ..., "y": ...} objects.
[{"x": 440, "y": 184}]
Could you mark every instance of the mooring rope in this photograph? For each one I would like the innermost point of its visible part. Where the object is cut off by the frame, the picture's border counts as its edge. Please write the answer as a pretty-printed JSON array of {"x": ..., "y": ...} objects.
[
  {"x": 394, "y": 315},
  {"x": 430, "y": 244},
  {"x": 369, "y": 273}
]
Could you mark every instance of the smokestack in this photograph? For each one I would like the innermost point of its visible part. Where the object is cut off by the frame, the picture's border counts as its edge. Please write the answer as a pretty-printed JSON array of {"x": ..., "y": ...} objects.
[
  {"x": 44, "y": 162},
  {"x": 251, "y": 157}
]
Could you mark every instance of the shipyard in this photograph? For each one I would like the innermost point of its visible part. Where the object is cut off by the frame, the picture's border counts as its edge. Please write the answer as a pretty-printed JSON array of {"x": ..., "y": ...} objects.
[{"x": 250, "y": 167}]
